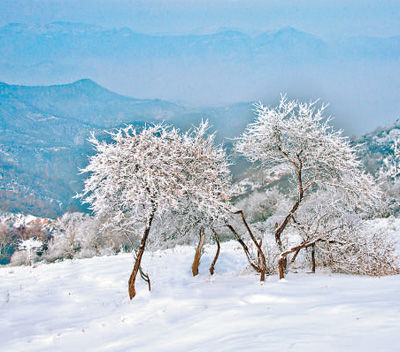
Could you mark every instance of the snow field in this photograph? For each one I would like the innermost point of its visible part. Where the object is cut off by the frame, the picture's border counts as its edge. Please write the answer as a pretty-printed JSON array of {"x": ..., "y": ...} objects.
[{"x": 83, "y": 305}]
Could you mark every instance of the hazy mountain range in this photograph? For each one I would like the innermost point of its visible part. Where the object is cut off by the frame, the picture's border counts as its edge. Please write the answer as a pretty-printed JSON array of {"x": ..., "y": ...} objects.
[
  {"x": 24, "y": 44},
  {"x": 359, "y": 76}
]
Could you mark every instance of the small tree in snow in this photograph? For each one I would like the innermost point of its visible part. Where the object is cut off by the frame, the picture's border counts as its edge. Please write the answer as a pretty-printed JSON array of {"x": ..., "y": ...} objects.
[
  {"x": 134, "y": 177},
  {"x": 142, "y": 174},
  {"x": 296, "y": 142}
]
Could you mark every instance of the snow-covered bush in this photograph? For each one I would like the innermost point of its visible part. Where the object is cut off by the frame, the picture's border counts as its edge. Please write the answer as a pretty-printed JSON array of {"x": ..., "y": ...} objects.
[
  {"x": 360, "y": 248},
  {"x": 73, "y": 234},
  {"x": 27, "y": 252},
  {"x": 78, "y": 235},
  {"x": 334, "y": 233}
]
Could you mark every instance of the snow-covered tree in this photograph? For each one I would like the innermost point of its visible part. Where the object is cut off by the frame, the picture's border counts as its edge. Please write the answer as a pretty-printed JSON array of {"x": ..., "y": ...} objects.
[
  {"x": 142, "y": 174},
  {"x": 207, "y": 204},
  {"x": 392, "y": 162},
  {"x": 295, "y": 142},
  {"x": 132, "y": 178},
  {"x": 77, "y": 235},
  {"x": 27, "y": 251},
  {"x": 388, "y": 177}
]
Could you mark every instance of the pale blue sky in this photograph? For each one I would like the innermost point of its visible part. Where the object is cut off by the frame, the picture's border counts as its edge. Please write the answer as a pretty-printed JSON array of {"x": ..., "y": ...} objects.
[{"x": 329, "y": 19}]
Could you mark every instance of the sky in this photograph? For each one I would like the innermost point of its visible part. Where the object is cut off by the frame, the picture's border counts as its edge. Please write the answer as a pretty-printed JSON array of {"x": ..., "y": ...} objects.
[{"x": 329, "y": 19}]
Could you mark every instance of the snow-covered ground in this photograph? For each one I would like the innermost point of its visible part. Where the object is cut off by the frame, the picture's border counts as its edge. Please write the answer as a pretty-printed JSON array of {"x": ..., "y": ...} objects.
[{"x": 83, "y": 305}]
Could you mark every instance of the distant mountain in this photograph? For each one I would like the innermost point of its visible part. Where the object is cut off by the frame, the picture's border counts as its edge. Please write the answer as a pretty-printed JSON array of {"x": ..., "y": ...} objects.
[
  {"x": 65, "y": 41},
  {"x": 38, "y": 44},
  {"x": 359, "y": 76},
  {"x": 87, "y": 102},
  {"x": 44, "y": 131}
]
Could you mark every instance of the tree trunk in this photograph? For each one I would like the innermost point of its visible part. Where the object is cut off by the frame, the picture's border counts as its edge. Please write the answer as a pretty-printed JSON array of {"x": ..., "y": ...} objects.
[
  {"x": 282, "y": 263},
  {"x": 313, "y": 258},
  {"x": 216, "y": 254},
  {"x": 262, "y": 264},
  {"x": 139, "y": 256},
  {"x": 279, "y": 230},
  {"x": 197, "y": 256},
  {"x": 259, "y": 259},
  {"x": 282, "y": 267}
]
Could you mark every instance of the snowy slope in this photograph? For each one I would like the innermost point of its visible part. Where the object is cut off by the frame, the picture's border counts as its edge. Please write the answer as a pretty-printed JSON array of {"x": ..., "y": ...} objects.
[{"x": 83, "y": 305}]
